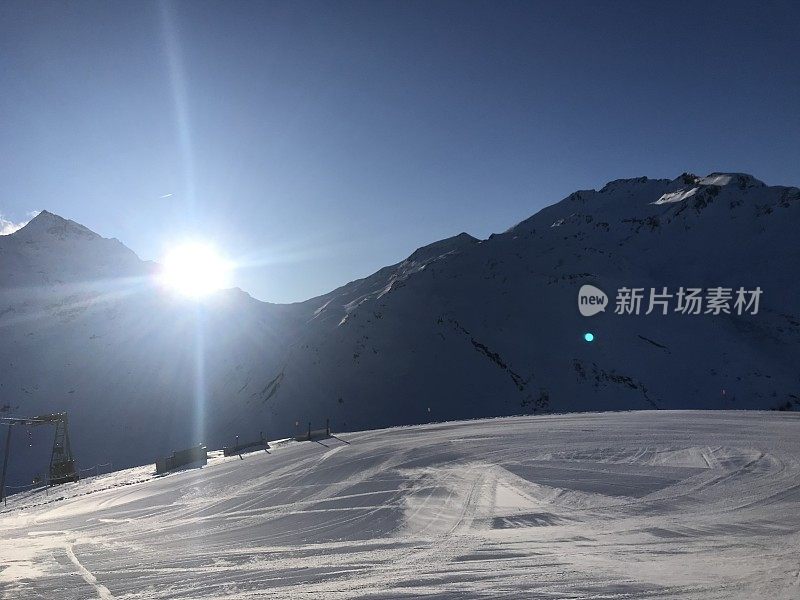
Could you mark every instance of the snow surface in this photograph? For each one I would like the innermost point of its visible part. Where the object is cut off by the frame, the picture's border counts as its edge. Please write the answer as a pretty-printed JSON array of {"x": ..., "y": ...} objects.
[{"x": 605, "y": 505}]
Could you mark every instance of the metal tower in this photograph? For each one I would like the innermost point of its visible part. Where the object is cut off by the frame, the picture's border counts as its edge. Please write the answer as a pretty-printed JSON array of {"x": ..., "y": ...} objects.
[{"x": 62, "y": 463}]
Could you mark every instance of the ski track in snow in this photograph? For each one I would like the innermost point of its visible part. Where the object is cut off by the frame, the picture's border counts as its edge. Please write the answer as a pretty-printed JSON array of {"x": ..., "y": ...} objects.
[
  {"x": 611, "y": 505},
  {"x": 88, "y": 577}
]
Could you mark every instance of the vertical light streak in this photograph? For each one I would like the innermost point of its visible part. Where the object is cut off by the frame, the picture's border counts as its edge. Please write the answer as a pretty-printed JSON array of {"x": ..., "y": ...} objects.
[
  {"x": 177, "y": 80},
  {"x": 199, "y": 374}
]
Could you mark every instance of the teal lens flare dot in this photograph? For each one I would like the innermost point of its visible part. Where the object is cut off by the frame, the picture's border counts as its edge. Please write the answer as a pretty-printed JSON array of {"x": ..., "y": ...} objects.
[{"x": 588, "y": 336}]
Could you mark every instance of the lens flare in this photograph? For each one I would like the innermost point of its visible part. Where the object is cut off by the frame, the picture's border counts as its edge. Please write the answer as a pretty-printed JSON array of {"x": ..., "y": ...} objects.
[{"x": 195, "y": 270}]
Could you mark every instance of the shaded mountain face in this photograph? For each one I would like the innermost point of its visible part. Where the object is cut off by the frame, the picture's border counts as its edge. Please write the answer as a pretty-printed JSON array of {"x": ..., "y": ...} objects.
[
  {"x": 493, "y": 328},
  {"x": 86, "y": 329},
  {"x": 462, "y": 328}
]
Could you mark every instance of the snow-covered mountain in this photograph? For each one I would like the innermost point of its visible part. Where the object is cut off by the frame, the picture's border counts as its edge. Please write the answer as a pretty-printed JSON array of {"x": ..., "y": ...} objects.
[
  {"x": 467, "y": 328},
  {"x": 86, "y": 328},
  {"x": 462, "y": 328}
]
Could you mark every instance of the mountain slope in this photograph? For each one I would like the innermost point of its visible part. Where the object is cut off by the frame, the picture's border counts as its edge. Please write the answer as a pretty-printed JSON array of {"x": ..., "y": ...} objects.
[
  {"x": 492, "y": 327},
  {"x": 462, "y": 328},
  {"x": 86, "y": 329}
]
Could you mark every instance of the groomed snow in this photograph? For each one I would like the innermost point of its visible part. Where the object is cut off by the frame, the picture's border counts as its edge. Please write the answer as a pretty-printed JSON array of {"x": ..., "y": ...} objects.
[{"x": 609, "y": 505}]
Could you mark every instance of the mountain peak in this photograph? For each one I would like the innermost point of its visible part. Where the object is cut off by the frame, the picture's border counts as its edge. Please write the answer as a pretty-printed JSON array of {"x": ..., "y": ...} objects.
[
  {"x": 436, "y": 249},
  {"x": 688, "y": 184},
  {"x": 51, "y": 224},
  {"x": 47, "y": 216},
  {"x": 741, "y": 180},
  {"x": 634, "y": 182}
]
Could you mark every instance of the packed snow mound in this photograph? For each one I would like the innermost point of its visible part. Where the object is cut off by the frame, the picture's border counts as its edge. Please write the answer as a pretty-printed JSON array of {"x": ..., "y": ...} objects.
[{"x": 646, "y": 505}]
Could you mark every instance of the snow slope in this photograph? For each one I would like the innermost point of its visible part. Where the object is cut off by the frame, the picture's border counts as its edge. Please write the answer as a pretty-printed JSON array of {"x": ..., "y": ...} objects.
[
  {"x": 606, "y": 505},
  {"x": 492, "y": 327},
  {"x": 86, "y": 329},
  {"x": 463, "y": 328}
]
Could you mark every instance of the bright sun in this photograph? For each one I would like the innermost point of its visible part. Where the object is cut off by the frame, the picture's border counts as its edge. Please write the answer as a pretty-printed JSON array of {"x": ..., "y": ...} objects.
[{"x": 194, "y": 270}]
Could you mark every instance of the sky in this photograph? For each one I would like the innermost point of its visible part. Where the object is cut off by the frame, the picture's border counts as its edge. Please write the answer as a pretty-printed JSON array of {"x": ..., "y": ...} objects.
[{"x": 315, "y": 142}]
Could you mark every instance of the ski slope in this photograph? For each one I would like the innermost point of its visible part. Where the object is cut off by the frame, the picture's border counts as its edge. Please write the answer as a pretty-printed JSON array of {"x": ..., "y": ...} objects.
[{"x": 606, "y": 505}]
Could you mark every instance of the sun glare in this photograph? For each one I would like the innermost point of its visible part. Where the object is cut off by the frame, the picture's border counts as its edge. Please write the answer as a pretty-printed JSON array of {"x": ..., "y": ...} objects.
[{"x": 195, "y": 270}]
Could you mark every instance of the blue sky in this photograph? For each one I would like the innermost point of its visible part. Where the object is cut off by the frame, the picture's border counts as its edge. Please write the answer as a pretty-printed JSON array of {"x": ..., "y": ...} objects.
[{"x": 319, "y": 141}]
